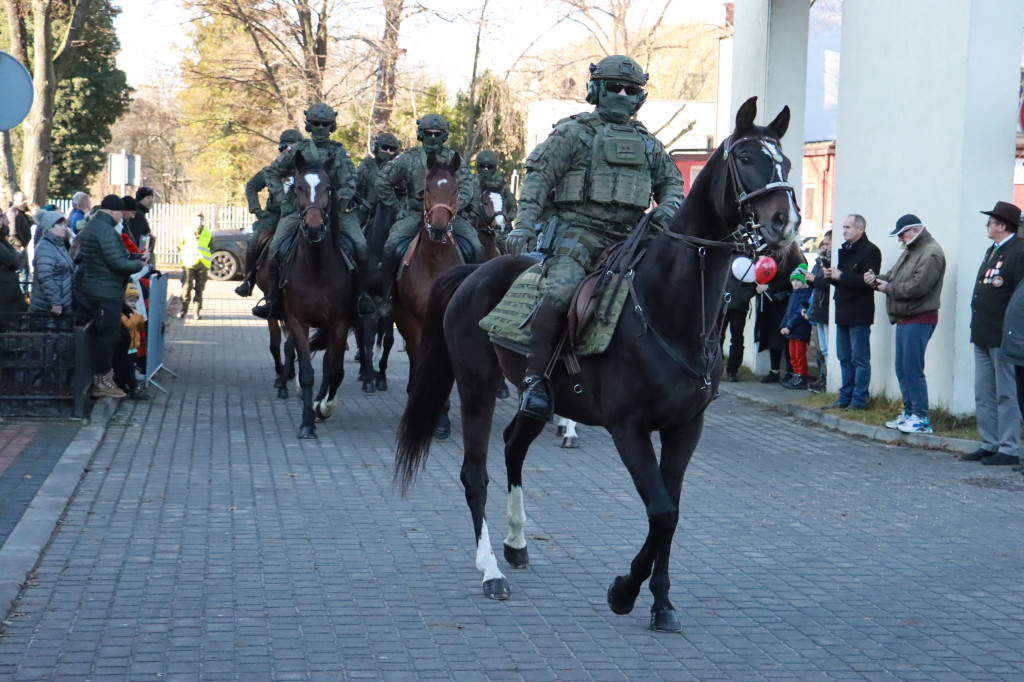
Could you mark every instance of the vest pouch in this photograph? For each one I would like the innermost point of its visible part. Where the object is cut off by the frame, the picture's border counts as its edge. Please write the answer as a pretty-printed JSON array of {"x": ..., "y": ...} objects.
[
  {"x": 624, "y": 149},
  {"x": 574, "y": 244},
  {"x": 572, "y": 189},
  {"x": 632, "y": 187}
]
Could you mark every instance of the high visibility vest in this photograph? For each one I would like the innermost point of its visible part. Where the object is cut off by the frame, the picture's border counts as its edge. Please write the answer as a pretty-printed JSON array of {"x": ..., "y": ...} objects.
[{"x": 204, "y": 247}]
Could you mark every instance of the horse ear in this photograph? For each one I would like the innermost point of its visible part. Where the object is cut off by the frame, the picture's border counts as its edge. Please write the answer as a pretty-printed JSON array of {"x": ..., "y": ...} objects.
[
  {"x": 431, "y": 160},
  {"x": 781, "y": 123},
  {"x": 456, "y": 162},
  {"x": 745, "y": 117},
  {"x": 300, "y": 161}
]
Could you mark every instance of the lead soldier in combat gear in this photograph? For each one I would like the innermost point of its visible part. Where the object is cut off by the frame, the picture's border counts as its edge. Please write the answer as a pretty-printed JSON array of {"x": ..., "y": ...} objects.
[
  {"x": 320, "y": 123},
  {"x": 266, "y": 217},
  {"x": 599, "y": 170},
  {"x": 409, "y": 172},
  {"x": 385, "y": 149}
]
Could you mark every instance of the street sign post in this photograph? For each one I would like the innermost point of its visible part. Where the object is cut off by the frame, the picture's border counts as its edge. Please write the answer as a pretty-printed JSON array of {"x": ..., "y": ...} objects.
[{"x": 125, "y": 169}]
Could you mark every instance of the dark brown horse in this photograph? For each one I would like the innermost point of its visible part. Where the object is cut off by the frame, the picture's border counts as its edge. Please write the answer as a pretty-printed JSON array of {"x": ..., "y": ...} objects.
[
  {"x": 318, "y": 291},
  {"x": 660, "y": 372},
  {"x": 491, "y": 223},
  {"x": 284, "y": 370}
]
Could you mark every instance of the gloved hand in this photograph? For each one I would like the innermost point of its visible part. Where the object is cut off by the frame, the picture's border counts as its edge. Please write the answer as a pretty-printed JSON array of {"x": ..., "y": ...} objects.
[
  {"x": 287, "y": 208},
  {"x": 262, "y": 214},
  {"x": 519, "y": 240},
  {"x": 662, "y": 215}
]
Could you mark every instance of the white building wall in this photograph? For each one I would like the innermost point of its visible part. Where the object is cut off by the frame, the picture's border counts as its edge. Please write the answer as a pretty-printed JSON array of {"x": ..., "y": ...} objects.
[{"x": 928, "y": 97}]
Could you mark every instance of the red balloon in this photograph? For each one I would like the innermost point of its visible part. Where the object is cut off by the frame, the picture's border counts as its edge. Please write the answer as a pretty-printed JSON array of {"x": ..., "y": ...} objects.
[{"x": 765, "y": 269}]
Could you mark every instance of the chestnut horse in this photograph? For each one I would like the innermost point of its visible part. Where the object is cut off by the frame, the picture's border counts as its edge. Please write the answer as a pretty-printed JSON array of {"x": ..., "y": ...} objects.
[
  {"x": 491, "y": 223},
  {"x": 660, "y": 372},
  {"x": 432, "y": 253}
]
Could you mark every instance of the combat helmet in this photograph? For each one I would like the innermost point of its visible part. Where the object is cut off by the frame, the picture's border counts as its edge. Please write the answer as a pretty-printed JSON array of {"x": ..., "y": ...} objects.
[
  {"x": 320, "y": 113},
  {"x": 385, "y": 139},
  {"x": 619, "y": 68},
  {"x": 488, "y": 157},
  {"x": 432, "y": 122},
  {"x": 288, "y": 138}
]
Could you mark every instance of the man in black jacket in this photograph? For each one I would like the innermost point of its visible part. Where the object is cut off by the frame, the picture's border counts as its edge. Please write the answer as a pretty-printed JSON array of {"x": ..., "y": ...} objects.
[
  {"x": 139, "y": 223},
  {"x": 21, "y": 230},
  {"x": 995, "y": 388},
  {"x": 855, "y": 311}
]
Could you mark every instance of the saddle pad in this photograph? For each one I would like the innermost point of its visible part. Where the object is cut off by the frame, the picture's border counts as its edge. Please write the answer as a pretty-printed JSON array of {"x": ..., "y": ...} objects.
[{"x": 512, "y": 318}]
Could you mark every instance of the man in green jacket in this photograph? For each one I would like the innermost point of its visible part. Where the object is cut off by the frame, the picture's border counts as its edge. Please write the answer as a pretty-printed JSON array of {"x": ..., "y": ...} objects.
[
  {"x": 385, "y": 149},
  {"x": 104, "y": 266},
  {"x": 266, "y": 218},
  {"x": 409, "y": 172}
]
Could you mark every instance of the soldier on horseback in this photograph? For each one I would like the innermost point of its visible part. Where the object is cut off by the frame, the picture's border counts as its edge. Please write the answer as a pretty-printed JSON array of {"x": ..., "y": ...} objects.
[
  {"x": 488, "y": 172},
  {"x": 385, "y": 149},
  {"x": 599, "y": 169},
  {"x": 409, "y": 173},
  {"x": 320, "y": 123},
  {"x": 266, "y": 217}
]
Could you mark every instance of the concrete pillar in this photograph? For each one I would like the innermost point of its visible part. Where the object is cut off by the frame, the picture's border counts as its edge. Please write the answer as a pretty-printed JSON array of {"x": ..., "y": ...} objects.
[
  {"x": 769, "y": 60},
  {"x": 928, "y": 101}
]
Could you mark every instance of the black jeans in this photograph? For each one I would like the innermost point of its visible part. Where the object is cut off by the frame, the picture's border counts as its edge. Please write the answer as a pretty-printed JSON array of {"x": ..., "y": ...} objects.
[
  {"x": 106, "y": 329},
  {"x": 736, "y": 321}
]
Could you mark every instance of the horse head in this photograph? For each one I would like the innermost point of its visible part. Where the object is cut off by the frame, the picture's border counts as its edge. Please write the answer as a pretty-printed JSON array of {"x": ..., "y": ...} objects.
[
  {"x": 750, "y": 186},
  {"x": 441, "y": 196},
  {"x": 313, "y": 195},
  {"x": 492, "y": 211}
]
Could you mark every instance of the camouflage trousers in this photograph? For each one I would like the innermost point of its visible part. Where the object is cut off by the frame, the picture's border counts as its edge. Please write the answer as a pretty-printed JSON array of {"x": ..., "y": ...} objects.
[
  {"x": 407, "y": 227},
  {"x": 573, "y": 257},
  {"x": 348, "y": 225}
]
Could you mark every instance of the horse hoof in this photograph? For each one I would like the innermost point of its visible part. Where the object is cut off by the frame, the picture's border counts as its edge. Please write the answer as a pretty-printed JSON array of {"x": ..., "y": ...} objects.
[
  {"x": 368, "y": 387},
  {"x": 497, "y": 588},
  {"x": 307, "y": 432},
  {"x": 442, "y": 432},
  {"x": 382, "y": 384},
  {"x": 282, "y": 393},
  {"x": 502, "y": 390},
  {"x": 665, "y": 620},
  {"x": 517, "y": 558},
  {"x": 278, "y": 383},
  {"x": 560, "y": 430},
  {"x": 571, "y": 442},
  {"x": 620, "y": 599}
]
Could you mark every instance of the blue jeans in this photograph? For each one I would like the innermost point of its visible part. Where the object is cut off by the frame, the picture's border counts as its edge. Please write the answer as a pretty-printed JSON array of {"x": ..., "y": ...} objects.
[
  {"x": 911, "y": 342},
  {"x": 853, "y": 349}
]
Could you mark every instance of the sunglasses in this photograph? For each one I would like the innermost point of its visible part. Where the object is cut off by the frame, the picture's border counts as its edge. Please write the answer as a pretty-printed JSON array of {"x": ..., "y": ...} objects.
[
  {"x": 485, "y": 167},
  {"x": 320, "y": 124},
  {"x": 388, "y": 148},
  {"x": 432, "y": 133},
  {"x": 622, "y": 88}
]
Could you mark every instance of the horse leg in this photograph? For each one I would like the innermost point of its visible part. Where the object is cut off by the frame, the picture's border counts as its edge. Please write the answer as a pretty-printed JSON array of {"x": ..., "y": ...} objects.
[
  {"x": 477, "y": 415},
  {"x": 518, "y": 436},
  {"x": 633, "y": 442},
  {"x": 502, "y": 389},
  {"x": 365, "y": 332},
  {"x": 275, "y": 350},
  {"x": 569, "y": 439},
  {"x": 334, "y": 373},
  {"x": 287, "y": 369},
  {"x": 387, "y": 337},
  {"x": 299, "y": 335},
  {"x": 444, "y": 423}
]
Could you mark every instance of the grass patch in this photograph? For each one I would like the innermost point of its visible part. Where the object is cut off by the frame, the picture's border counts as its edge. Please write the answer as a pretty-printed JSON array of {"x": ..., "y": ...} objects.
[{"x": 882, "y": 409}]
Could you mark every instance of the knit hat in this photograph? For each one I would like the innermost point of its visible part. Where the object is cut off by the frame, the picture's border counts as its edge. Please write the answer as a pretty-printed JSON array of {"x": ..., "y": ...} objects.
[
  {"x": 131, "y": 290},
  {"x": 112, "y": 202},
  {"x": 905, "y": 223},
  {"x": 47, "y": 219},
  {"x": 130, "y": 204},
  {"x": 143, "y": 192},
  {"x": 799, "y": 274}
]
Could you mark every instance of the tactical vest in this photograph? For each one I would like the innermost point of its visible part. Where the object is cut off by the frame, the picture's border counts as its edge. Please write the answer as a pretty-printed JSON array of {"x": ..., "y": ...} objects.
[{"x": 619, "y": 171}]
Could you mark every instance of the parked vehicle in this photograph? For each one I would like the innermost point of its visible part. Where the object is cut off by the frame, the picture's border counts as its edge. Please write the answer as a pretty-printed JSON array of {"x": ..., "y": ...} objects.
[{"x": 227, "y": 250}]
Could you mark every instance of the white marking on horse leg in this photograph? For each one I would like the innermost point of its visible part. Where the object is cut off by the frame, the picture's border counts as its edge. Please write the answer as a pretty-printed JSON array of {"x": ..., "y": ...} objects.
[
  {"x": 312, "y": 179},
  {"x": 485, "y": 559},
  {"x": 378, "y": 353},
  {"x": 516, "y": 517},
  {"x": 570, "y": 428}
]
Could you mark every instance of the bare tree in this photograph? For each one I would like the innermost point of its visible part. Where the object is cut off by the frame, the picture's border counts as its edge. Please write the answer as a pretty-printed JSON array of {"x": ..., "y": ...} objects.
[{"x": 386, "y": 94}]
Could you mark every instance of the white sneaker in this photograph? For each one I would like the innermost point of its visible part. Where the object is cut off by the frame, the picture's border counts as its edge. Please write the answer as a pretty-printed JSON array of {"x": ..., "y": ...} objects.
[
  {"x": 898, "y": 421},
  {"x": 915, "y": 424}
]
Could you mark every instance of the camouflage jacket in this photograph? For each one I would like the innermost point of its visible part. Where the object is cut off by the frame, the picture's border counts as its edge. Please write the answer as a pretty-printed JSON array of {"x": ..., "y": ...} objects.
[
  {"x": 343, "y": 174},
  {"x": 409, "y": 171},
  {"x": 598, "y": 175},
  {"x": 256, "y": 184},
  {"x": 366, "y": 181}
]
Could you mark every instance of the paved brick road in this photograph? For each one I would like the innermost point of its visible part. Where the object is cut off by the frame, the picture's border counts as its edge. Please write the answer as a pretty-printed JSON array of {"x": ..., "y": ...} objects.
[{"x": 207, "y": 542}]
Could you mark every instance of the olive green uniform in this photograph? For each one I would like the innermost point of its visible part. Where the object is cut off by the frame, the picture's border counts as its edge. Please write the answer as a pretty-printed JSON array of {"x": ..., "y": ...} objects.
[
  {"x": 366, "y": 187},
  {"x": 409, "y": 171},
  {"x": 343, "y": 181},
  {"x": 600, "y": 177},
  {"x": 266, "y": 217}
]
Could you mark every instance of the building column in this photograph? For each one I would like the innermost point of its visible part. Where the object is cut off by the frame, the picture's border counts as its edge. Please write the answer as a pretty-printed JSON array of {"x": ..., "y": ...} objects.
[
  {"x": 769, "y": 60},
  {"x": 928, "y": 104}
]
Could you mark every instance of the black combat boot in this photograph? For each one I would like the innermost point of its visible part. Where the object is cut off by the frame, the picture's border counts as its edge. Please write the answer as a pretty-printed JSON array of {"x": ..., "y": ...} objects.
[
  {"x": 270, "y": 305},
  {"x": 245, "y": 288},
  {"x": 548, "y": 324},
  {"x": 388, "y": 275}
]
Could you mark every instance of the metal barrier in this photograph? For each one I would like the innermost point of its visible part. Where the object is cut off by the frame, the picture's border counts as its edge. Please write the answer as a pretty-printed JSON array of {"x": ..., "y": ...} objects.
[
  {"x": 44, "y": 365},
  {"x": 157, "y": 314}
]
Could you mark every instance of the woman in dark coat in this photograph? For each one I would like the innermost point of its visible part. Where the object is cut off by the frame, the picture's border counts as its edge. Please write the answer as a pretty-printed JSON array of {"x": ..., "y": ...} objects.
[
  {"x": 52, "y": 268},
  {"x": 12, "y": 260},
  {"x": 770, "y": 304}
]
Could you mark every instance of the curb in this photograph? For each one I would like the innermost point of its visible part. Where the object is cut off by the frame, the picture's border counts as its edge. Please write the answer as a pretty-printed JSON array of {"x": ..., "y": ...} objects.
[
  {"x": 20, "y": 553},
  {"x": 855, "y": 428}
]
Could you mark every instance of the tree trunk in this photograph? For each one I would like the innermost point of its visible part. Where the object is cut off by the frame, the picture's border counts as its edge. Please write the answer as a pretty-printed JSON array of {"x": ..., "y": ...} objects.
[
  {"x": 384, "y": 99},
  {"x": 471, "y": 119}
]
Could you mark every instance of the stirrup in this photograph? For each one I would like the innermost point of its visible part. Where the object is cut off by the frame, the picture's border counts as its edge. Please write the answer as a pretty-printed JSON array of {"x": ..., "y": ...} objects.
[
  {"x": 537, "y": 402},
  {"x": 263, "y": 308},
  {"x": 244, "y": 289}
]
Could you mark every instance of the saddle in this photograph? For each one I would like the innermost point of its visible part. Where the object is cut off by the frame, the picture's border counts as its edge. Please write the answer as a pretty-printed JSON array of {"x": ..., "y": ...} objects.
[{"x": 407, "y": 248}]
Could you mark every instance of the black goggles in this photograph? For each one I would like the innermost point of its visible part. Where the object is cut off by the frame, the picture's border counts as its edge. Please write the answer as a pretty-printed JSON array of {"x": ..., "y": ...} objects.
[
  {"x": 432, "y": 133},
  {"x": 485, "y": 167},
  {"x": 320, "y": 124},
  {"x": 283, "y": 147},
  {"x": 621, "y": 88},
  {"x": 388, "y": 148}
]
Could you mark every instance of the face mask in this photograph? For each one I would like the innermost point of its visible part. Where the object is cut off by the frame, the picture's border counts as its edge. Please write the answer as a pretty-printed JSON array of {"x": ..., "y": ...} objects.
[
  {"x": 432, "y": 144},
  {"x": 320, "y": 135},
  {"x": 615, "y": 108}
]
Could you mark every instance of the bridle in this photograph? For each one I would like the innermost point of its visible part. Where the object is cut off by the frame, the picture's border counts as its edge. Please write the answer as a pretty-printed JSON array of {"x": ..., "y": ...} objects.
[
  {"x": 446, "y": 228},
  {"x": 325, "y": 214},
  {"x": 489, "y": 228}
]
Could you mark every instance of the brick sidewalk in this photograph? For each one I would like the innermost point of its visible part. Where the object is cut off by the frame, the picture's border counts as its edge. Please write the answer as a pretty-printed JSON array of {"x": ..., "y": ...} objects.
[{"x": 207, "y": 542}]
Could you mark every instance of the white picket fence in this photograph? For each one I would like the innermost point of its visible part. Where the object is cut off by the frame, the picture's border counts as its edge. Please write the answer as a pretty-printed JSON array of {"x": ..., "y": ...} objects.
[{"x": 170, "y": 222}]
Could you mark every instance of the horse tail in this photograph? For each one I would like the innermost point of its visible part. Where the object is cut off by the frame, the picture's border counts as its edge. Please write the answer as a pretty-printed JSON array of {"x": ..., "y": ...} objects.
[{"x": 431, "y": 383}]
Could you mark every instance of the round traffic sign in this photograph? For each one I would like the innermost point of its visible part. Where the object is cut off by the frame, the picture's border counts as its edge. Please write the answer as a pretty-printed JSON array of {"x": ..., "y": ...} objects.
[{"x": 16, "y": 84}]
